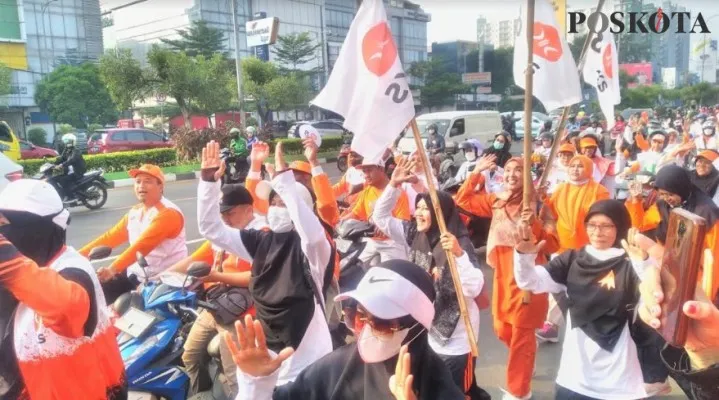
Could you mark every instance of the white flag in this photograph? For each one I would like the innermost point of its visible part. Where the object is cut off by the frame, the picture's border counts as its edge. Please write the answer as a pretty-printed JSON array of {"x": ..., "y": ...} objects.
[
  {"x": 556, "y": 79},
  {"x": 601, "y": 70},
  {"x": 368, "y": 86}
]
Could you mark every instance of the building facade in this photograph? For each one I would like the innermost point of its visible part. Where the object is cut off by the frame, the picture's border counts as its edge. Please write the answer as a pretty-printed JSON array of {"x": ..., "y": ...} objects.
[
  {"x": 35, "y": 37},
  {"x": 454, "y": 54}
]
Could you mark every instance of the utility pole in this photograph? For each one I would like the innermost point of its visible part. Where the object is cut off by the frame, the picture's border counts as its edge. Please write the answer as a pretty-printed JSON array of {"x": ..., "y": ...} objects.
[{"x": 238, "y": 67}]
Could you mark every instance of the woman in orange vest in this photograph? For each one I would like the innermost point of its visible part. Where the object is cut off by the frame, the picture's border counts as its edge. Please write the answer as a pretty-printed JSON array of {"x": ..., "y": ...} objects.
[{"x": 514, "y": 320}]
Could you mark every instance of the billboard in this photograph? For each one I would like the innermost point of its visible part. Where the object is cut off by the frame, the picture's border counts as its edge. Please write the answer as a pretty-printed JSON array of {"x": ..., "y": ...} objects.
[
  {"x": 669, "y": 78},
  {"x": 477, "y": 78},
  {"x": 262, "y": 31},
  {"x": 641, "y": 71}
]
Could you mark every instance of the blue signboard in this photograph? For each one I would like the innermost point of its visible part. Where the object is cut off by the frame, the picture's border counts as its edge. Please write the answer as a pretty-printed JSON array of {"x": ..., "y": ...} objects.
[{"x": 261, "y": 52}]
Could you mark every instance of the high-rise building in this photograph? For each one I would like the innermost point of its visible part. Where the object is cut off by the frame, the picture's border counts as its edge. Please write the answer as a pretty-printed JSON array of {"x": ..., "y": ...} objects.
[
  {"x": 507, "y": 30},
  {"x": 35, "y": 37},
  {"x": 454, "y": 54},
  {"x": 484, "y": 31}
]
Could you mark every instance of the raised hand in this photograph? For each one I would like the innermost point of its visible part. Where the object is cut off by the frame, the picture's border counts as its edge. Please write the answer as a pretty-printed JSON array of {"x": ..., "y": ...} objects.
[
  {"x": 211, "y": 159},
  {"x": 484, "y": 163},
  {"x": 252, "y": 356},
  {"x": 525, "y": 241},
  {"x": 403, "y": 172},
  {"x": 260, "y": 152},
  {"x": 635, "y": 190},
  {"x": 280, "y": 164},
  {"x": 633, "y": 249},
  {"x": 400, "y": 384},
  {"x": 311, "y": 151}
]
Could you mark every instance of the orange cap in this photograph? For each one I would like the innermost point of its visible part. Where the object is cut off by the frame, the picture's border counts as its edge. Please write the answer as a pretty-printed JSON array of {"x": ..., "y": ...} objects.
[
  {"x": 301, "y": 166},
  {"x": 148, "y": 169},
  {"x": 588, "y": 142},
  {"x": 567, "y": 148},
  {"x": 709, "y": 155}
]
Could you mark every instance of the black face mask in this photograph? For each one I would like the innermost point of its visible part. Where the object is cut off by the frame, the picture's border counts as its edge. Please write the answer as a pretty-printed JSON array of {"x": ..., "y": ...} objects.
[{"x": 37, "y": 238}]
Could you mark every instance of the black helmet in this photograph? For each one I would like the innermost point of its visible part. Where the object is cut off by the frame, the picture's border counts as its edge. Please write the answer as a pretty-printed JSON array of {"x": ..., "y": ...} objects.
[{"x": 432, "y": 126}]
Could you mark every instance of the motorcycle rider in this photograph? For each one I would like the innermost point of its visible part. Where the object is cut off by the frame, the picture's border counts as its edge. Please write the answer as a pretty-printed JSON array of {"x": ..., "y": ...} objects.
[
  {"x": 435, "y": 141},
  {"x": 708, "y": 139},
  {"x": 155, "y": 228},
  {"x": 60, "y": 343},
  {"x": 71, "y": 157},
  {"x": 238, "y": 145},
  {"x": 237, "y": 212}
]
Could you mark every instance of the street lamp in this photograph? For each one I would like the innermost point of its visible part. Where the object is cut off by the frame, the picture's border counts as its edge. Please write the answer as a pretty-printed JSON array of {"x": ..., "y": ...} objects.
[{"x": 43, "y": 8}]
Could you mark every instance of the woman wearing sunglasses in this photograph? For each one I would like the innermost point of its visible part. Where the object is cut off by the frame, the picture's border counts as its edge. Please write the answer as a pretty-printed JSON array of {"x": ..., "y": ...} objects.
[
  {"x": 427, "y": 248},
  {"x": 391, "y": 311},
  {"x": 599, "y": 358}
]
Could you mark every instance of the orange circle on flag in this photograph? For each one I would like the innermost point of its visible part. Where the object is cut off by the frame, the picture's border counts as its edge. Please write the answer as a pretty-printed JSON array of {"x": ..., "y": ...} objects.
[
  {"x": 607, "y": 61},
  {"x": 378, "y": 49},
  {"x": 547, "y": 43}
]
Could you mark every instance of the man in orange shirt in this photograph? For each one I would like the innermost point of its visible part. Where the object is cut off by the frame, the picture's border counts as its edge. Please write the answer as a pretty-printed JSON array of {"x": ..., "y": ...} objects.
[
  {"x": 60, "y": 344},
  {"x": 379, "y": 248},
  {"x": 155, "y": 228},
  {"x": 237, "y": 212}
]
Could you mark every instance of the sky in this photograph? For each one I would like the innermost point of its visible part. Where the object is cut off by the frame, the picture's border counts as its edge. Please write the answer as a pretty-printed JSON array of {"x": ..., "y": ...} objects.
[{"x": 457, "y": 19}]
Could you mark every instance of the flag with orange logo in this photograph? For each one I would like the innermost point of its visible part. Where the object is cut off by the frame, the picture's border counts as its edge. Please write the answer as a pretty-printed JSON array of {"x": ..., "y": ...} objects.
[
  {"x": 368, "y": 86},
  {"x": 601, "y": 70},
  {"x": 556, "y": 79}
]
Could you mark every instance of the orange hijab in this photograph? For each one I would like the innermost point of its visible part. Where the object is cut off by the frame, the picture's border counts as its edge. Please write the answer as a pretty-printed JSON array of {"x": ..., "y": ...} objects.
[{"x": 571, "y": 202}]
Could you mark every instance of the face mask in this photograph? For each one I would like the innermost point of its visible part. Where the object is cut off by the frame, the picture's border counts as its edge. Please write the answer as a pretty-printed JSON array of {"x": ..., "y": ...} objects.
[
  {"x": 708, "y": 132},
  {"x": 431, "y": 131},
  {"x": 374, "y": 348},
  {"x": 279, "y": 220},
  {"x": 498, "y": 145},
  {"x": 470, "y": 156}
]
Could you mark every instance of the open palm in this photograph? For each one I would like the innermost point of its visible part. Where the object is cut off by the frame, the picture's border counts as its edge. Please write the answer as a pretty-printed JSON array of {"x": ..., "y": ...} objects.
[{"x": 252, "y": 356}]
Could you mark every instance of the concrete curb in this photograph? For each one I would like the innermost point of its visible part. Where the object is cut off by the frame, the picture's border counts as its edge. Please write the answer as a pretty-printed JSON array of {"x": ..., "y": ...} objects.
[{"x": 184, "y": 176}]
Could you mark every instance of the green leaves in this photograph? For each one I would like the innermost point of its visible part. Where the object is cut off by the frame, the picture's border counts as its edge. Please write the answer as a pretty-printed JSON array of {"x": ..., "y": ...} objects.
[
  {"x": 124, "y": 77},
  {"x": 199, "y": 40},
  {"x": 440, "y": 86},
  {"x": 5, "y": 75},
  {"x": 76, "y": 95},
  {"x": 295, "y": 49}
]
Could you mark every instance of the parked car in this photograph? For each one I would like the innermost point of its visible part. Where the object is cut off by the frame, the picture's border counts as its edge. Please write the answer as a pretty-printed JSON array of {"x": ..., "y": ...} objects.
[
  {"x": 325, "y": 128},
  {"x": 9, "y": 171},
  {"x": 30, "y": 151},
  {"x": 126, "y": 139},
  {"x": 9, "y": 143}
]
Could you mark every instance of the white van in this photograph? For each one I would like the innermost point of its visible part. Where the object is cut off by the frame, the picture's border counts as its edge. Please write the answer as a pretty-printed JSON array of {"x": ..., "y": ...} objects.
[{"x": 456, "y": 126}]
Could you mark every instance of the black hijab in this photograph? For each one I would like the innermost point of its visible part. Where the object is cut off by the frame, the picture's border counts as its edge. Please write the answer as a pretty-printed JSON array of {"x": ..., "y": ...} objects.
[
  {"x": 426, "y": 251},
  {"x": 677, "y": 180},
  {"x": 601, "y": 292},
  {"x": 709, "y": 183},
  {"x": 343, "y": 375},
  {"x": 503, "y": 154}
]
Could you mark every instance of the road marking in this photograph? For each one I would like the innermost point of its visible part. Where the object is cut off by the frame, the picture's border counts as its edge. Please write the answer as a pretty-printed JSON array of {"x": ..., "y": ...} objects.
[{"x": 114, "y": 257}]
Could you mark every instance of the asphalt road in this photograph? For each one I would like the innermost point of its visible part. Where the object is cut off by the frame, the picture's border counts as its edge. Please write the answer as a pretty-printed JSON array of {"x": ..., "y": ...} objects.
[{"x": 87, "y": 225}]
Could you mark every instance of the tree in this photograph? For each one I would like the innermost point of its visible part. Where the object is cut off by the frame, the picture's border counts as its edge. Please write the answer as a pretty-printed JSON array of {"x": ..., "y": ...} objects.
[
  {"x": 199, "y": 40},
  {"x": 75, "y": 95},
  {"x": 192, "y": 81},
  {"x": 701, "y": 93},
  {"x": 5, "y": 75},
  {"x": 625, "y": 80},
  {"x": 633, "y": 48},
  {"x": 256, "y": 75},
  {"x": 124, "y": 78},
  {"x": 288, "y": 92},
  {"x": 440, "y": 87},
  {"x": 294, "y": 50},
  {"x": 577, "y": 45}
]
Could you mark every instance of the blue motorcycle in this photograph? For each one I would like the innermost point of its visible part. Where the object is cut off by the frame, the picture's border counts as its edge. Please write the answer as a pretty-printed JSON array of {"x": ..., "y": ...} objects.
[{"x": 154, "y": 321}]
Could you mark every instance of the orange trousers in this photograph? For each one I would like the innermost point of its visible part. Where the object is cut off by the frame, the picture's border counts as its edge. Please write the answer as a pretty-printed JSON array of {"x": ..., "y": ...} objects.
[{"x": 522, "y": 344}]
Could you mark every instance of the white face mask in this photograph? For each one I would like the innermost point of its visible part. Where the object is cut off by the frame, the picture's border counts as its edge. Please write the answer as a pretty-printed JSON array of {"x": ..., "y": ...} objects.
[
  {"x": 278, "y": 218},
  {"x": 470, "y": 156},
  {"x": 708, "y": 132},
  {"x": 374, "y": 348}
]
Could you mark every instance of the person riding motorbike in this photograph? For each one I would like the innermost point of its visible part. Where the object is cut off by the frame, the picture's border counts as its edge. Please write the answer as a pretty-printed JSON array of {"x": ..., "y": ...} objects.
[
  {"x": 252, "y": 138},
  {"x": 435, "y": 140},
  {"x": 71, "y": 157},
  {"x": 155, "y": 228},
  {"x": 56, "y": 338},
  {"x": 239, "y": 148}
]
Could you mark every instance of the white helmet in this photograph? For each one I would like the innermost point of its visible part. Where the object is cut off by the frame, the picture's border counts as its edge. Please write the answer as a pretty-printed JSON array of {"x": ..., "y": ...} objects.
[
  {"x": 69, "y": 139},
  {"x": 251, "y": 130}
]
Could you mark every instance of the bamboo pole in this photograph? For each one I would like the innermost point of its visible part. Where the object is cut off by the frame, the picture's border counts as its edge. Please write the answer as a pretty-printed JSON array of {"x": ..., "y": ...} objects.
[
  {"x": 443, "y": 229},
  {"x": 565, "y": 112},
  {"x": 528, "y": 90}
]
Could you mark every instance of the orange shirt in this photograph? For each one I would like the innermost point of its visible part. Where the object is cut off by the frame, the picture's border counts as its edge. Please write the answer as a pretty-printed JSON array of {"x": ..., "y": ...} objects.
[
  {"x": 368, "y": 197},
  {"x": 570, "y": 204},
  {"x": 167, "y": 224}
]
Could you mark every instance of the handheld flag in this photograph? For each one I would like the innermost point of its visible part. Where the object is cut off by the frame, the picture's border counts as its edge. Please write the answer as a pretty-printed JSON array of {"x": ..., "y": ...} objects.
[
  {"x": 368, "y": 86},
  {"x": 556, "y": 81},
  {"x": 601, "y": 70}
]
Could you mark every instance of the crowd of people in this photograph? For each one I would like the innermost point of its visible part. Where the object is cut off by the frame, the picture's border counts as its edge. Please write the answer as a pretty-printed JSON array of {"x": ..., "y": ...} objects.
[{"x": 592, "y": 237}]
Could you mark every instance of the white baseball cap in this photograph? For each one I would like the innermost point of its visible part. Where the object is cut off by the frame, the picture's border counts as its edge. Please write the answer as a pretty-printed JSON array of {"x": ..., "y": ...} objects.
[
  {"x": 264, "y": 189},
  {"x": 35, "y": 197},
  {"x": 395, "y": 289}
]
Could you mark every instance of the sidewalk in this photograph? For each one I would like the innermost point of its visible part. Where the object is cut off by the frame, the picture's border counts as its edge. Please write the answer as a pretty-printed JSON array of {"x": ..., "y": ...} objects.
[{"x": 185, "y": 176}]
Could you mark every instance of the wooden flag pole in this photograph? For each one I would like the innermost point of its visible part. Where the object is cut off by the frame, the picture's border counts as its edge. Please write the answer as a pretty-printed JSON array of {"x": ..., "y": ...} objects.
[
  {"x": 565, "y": 112},
  {"x": 528, "y": 90},
  {"x": 424, "y": 160}
]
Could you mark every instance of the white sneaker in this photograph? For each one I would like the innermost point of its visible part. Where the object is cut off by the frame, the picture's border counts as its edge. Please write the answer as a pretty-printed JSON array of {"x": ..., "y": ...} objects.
[
  {"x": 657, "y": 389},
  {"x": 509, "y": 396}
]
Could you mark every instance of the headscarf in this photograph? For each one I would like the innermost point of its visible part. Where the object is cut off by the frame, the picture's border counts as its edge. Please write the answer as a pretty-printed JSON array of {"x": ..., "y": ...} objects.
[
  {"x": 588, "y": 168},
  {"x": 675, "y": 179},
  {"x": 708, "y": 183},
  {"x": 506, "y": 211},
  {"x": 503, "y": 154},
  {"x": 619, "y": 215},
  {"x": 427, "y": 252}
]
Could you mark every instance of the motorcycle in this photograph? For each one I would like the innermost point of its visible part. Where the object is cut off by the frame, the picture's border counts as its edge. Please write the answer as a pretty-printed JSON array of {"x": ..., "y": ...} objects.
[
  {"x": 233, "y": 174},
  {"x": 153, "y": 323},
  {"x": 90, "y": 190}
]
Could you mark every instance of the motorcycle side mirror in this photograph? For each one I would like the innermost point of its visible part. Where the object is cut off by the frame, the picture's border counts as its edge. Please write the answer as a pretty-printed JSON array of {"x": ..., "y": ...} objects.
[
  {"x": 141, "y": 260},
  {"x": 199, "y": 269},
  {"x": 99, "y": 252}
]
